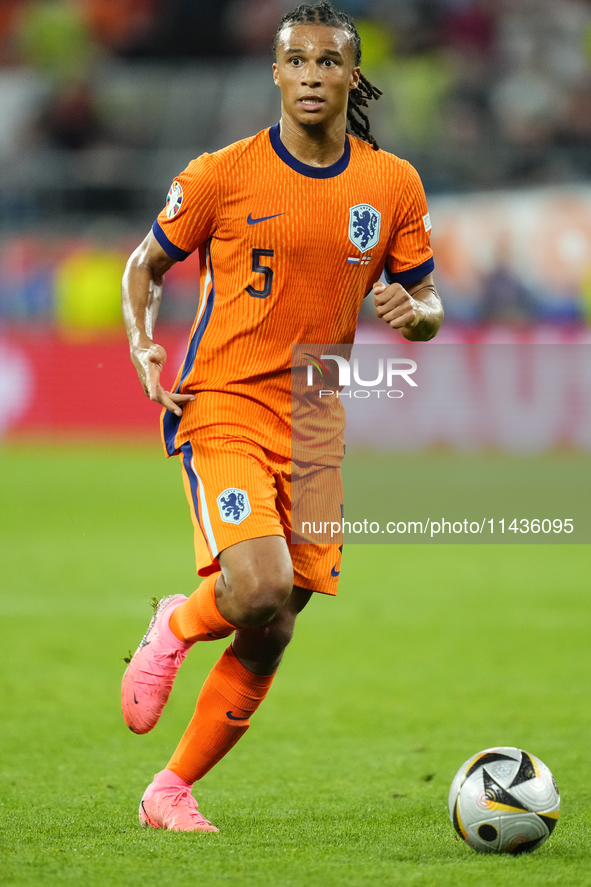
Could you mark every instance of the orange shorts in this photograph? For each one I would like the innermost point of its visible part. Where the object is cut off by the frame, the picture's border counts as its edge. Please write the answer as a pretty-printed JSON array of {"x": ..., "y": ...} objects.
[{"x": 238, "y": 490}]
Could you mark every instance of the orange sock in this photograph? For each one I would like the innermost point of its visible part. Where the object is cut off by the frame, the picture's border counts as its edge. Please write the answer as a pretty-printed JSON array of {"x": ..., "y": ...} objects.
[
  {"x": 230, "y": 695},
  {"x": 199, "y": 619}
]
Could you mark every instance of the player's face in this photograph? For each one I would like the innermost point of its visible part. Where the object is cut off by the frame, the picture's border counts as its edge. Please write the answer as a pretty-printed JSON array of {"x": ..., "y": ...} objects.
[{"x": 315, "y": 71}]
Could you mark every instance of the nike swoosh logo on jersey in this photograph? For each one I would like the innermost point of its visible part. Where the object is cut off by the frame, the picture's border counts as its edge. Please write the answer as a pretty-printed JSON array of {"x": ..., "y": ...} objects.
[
  {"x": 334, "y": 572},
  {"x": 251, "y": 221},
  {"x": 233, "y": 718}
]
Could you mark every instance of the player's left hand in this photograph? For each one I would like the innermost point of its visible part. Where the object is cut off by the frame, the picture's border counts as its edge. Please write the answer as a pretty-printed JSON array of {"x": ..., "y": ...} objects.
[{"x": 396, "y": 306}]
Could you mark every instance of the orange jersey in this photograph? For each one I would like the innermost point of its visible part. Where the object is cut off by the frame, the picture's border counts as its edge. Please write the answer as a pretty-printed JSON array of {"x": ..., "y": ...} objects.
[{"x": 288, "y": 252}]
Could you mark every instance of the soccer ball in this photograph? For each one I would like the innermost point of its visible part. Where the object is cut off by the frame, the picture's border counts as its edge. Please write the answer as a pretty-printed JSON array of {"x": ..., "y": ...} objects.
[{"x": 504, "y": 800}]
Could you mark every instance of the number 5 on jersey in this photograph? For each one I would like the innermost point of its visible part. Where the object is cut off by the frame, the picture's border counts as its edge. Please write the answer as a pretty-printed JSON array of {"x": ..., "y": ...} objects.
[{"x": 264, "y": 270}]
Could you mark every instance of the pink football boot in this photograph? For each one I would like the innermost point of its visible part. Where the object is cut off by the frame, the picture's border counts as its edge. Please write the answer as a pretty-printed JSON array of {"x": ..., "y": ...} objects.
[
  {"x": 150, "y": 674},
  {"x": 168, "y": 803}
]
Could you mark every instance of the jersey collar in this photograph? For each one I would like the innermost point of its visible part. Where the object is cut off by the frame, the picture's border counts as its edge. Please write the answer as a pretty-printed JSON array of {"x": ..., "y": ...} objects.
[{"x": 313, "y": 172}]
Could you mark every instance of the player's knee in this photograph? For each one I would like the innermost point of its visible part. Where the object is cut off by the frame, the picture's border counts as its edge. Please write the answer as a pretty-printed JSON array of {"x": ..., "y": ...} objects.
[{"x": 261, "y": 598}]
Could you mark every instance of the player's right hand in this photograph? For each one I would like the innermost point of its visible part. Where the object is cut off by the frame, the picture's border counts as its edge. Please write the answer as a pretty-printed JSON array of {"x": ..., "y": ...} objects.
[{"x": 149, "y": 363}]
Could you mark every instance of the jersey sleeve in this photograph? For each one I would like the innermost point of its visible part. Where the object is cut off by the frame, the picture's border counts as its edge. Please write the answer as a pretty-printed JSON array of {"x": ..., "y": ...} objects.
[
  {"x": 189, "y": 217},
  {"x": 410, "y": 256}
]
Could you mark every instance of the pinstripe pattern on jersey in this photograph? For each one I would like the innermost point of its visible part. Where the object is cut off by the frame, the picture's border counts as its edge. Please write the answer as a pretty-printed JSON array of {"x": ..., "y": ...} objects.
[
  {"x": 202, "y": 319},
  {"x": 171, "y": 422},
  {"x": 241, "y": 373},
  {"x": 175, "y": 252}
]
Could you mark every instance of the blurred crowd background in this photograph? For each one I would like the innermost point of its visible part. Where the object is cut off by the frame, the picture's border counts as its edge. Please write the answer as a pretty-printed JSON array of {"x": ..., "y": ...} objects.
[{"x": 104, "y": 101}]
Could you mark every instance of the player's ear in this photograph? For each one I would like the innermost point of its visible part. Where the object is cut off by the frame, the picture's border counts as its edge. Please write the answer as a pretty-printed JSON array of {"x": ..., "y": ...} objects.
[
  {"x": 275, "y": 74},
  {"x": 355, "y": 75}
]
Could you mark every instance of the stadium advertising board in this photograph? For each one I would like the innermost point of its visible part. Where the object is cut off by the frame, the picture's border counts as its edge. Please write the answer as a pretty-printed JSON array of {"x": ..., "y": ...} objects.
[{"x": 65, "y": 386}]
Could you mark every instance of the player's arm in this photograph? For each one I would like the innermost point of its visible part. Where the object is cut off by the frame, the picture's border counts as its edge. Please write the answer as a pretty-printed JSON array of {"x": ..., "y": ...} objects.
[
  {"x": 416, "y": 311},
  {"x": 141, "y": 294}
]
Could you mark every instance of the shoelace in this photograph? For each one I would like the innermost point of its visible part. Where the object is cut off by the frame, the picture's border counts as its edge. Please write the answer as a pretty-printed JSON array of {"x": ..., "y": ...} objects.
[
  {"x": 160, "y": 667},
  {"x": 176, "y": 796},
  {"x": 165, "y": 660}
]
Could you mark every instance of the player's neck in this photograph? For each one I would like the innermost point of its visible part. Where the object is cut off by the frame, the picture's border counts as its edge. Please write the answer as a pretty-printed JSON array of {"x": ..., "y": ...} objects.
[{"x": 315, "y": 146}]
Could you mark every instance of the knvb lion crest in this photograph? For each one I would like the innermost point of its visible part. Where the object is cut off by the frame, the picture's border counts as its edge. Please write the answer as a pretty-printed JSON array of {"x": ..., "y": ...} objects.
[
  {"x": 364, "y": 226},
  {"x": 233, "y": 505}
]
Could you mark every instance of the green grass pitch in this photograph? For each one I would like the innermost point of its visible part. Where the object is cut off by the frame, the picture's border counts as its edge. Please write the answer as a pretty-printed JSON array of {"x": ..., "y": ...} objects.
[{"x": 428, "y": 655}]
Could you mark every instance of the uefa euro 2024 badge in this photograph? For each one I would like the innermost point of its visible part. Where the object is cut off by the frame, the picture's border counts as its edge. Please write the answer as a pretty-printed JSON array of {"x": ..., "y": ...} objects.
[
  {"x": 233, "y": 505},
  {"x": 364, "y": 226},
  {"x": 174, "y": 200}
]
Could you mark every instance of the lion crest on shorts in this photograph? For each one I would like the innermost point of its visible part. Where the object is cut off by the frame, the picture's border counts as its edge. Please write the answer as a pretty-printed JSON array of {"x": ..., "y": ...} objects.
[{"x": 233, "y": 505}]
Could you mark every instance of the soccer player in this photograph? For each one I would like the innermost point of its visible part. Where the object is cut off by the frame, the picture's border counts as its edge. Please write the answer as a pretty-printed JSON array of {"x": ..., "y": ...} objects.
[{"x": 293, "y": 227}]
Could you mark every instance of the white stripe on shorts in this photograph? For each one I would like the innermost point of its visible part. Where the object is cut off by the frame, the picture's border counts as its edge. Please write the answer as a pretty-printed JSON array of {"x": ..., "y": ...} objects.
[{"x": 207, "y": 528}]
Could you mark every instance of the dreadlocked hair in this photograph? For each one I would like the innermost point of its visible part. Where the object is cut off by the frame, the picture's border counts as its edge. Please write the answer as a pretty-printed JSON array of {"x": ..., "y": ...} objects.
[{"x": 325, "y": 14}]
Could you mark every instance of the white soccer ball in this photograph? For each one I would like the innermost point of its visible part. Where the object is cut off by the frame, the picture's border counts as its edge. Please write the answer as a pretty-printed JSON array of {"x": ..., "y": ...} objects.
[{"x": 504, "y": 800}]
